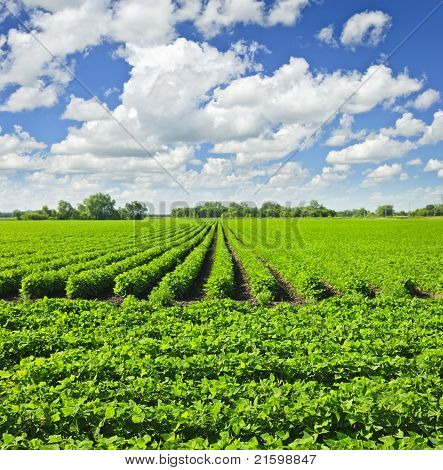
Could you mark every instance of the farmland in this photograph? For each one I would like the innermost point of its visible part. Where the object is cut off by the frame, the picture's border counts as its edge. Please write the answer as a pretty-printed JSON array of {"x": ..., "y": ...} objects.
[{"x": 231, "y": 334}]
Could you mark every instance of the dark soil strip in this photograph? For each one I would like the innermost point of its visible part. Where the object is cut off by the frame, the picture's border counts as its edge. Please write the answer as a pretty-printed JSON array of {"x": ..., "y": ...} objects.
[
  {"x": 287, "y": 292},
  {"x": 196, "y": 292},
  {"x": 417, "y": 292},
  {"x": 243, "y": 289},
  {"x": 330, "y": 291}
]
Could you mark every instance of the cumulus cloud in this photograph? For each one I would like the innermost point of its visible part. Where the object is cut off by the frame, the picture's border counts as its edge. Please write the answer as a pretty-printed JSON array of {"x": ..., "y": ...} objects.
[
  {"x": 406, "y": 126},
  {"x": 286, "y": 12},
  {"x": 415, "y": 162},
  {"x": 433, "y": 132},
  {"x": 20, "y": 151},
  {"x": 326, "y": 35},
  {"x": 375, "y": 148},
  {"x": 218, "y": 14},
  {"x": 39, "y": 77},
  {"x": 79, "y": 109},
  {"x": 19, "y": 142},
  {"x": 291, "y": 175},
  {"x": 366, "y": 28},
  {"x": 330, "y": 175},
  {"x": 343, "y": 134},
  {"x": 425, "y": 100},
  {"x": 382, "y": 174},
  {"x": 31, "y": 97},
  {"x": 142, "y": 22},
  {"x": 434, "y": 165}
]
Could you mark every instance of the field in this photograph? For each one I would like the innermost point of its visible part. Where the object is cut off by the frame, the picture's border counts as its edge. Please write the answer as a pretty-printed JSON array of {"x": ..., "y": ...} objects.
[{"x": 233, "y": 334}]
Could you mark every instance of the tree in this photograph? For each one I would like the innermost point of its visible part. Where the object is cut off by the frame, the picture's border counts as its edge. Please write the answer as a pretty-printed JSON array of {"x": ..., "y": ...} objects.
[
  {"x": 385, "y": 211},
  {"x": 362, "y": 212},
  {"x": 65, "y": 211},
  {"x": 46, "y": 212},
  {"x": 99, "y": 206},
  {"x": 135, "y": 210}
]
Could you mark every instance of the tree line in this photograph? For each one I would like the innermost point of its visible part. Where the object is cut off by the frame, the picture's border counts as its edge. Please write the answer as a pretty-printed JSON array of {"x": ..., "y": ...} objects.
[
  {"x": 95, "y": 207},
  {"x": 101, "y": 206},
  {"x": 313, "y": 209}
]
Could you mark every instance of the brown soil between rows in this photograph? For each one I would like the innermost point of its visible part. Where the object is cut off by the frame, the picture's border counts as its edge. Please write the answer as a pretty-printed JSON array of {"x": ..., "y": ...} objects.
[
  {"x": 196, "y": 292},
  {"x": 243, "y": 289},
  {"x": 287, "y": 292}
]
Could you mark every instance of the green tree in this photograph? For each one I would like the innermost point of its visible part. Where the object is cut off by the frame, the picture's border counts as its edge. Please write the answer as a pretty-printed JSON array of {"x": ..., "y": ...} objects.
[
  {"x": 65, "y": 211},
  {"x": 135, "y": 210},
  {"x": 385, "y": 211},
  {"x": 99, "y": 206}
]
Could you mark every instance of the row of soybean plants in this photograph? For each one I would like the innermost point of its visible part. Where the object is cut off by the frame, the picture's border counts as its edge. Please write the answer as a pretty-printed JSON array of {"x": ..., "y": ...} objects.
[
  {"x": 347, "y": 373},
  {"x": 11, "y": 279},
  {"x": 181, "y": 264},
  {"x": 95, "y": 282},
  {"x": 387, "y": 257},
  {"x": 21, "y": 238},
  {"x": 261, "y": 238},
  {"x": 91, "y": 236},
  {"x": 91, "y": 278}
]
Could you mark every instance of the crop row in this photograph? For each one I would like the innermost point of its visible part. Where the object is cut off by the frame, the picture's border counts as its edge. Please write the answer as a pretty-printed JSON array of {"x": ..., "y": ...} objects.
[
  {"x": 263, "y": 284},
  {"x": 139, "y": 281},
  {"x": 176, "y": 283},
  {"x": 221, "y": 281},
  {"x": 345, "y": 373},
  {"x": 391, "y": 258},
  {"x": 20, "y": 240},
  {"x": 52, "y": 283},
  {"x": 95, "y": 282},
  {"x": 10, "y": 280}
]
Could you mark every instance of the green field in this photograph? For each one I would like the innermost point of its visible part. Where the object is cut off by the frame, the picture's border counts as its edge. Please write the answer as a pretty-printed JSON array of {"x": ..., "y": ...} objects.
[{"x": 238, "y": 334}]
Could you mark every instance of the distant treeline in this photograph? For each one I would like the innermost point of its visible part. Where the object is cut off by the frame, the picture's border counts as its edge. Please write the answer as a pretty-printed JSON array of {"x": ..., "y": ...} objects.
[
  {"x": 96, "y": 207},
  {"x": 313, "y": 209},
  {"x": 102, "y": 207}
]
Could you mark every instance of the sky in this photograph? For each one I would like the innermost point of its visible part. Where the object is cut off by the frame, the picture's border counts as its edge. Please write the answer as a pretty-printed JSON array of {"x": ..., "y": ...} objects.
[{"x": 183, "y": 101}]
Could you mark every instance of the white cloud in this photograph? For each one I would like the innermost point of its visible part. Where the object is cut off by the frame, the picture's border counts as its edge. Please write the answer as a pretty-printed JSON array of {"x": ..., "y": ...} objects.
[
  {"x": 31, "y": 97},
  {"x": 292, "y": 174},
  {"x": 343, "y": 134},
  {"x": 29, "y": 66},
  {"x": 326, "y": 35},
  {"x": 219, "y": 14},
  {"x": 330, "y": 175},
  {"x": 366, "y": 28},
  {"x": 434, "y": 132},
  {"x": 79, "y": 109},
  {"x": 434, "y": 165},
  {"x": 53, "y": 5},
  {"x": 20, "y": 142},
  {"x": 375, "y": 148},
  {"x": 415, "y": 162},
  {"x": 382, "y": 174},
  {"x": 406, "y": 126},
  {"x": 266, "y": 147},
  {"x": 142, "y": 22},
  {"x": 20, "y": 151},
  {"x": 425, "y": 100},
  {"x": 286, "y": 12},
  {"x": 404, "y": 176}
]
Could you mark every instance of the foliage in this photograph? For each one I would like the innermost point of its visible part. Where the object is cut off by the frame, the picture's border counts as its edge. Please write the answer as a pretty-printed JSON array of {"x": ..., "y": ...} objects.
[
  {"x": 263, "y": 284},
  {"x": 370, "y": 257},
  {"x": 347, "y": 373},
  {"x": 221, "y": 281},
  {"x": 139, "y": 281},
  {"x": 175, "y": 284}
]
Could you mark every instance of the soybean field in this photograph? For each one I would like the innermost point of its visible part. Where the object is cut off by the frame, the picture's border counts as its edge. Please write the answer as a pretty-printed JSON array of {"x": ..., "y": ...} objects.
[{"x": 221, "y": 334}]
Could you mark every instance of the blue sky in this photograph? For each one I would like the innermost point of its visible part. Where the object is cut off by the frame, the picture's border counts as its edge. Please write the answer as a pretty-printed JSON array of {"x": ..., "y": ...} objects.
[{"x": 219, "y": 93}]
